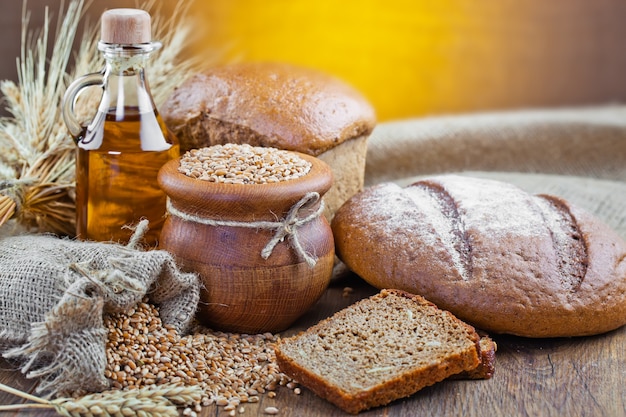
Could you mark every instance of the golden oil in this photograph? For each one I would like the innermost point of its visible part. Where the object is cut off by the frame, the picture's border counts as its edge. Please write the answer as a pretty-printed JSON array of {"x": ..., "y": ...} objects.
[{"x": 116, "y": 183}]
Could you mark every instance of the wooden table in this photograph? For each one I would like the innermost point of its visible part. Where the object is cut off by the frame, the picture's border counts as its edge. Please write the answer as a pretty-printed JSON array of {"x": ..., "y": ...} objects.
[{"x": 542, "y": 377}]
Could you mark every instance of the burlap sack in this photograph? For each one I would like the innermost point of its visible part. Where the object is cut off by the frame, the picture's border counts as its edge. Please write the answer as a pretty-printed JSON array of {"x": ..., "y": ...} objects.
[
  {"x": 579, "y": 153},
  {"x": 54, "y": 293}
]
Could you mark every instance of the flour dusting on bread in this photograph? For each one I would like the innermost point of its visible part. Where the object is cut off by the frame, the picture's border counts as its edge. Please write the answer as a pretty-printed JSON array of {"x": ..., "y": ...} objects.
[{"x": 494, "y": 255}]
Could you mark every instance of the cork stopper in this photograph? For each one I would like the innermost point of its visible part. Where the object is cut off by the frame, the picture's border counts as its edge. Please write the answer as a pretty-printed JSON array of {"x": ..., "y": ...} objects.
[{"x": 125, "y": 26}]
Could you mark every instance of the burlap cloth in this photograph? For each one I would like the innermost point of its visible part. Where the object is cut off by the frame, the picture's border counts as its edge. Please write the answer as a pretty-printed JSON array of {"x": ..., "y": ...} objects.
[
  {"x": 54, "y": 294},
  {"x": 578, "y": 153}
]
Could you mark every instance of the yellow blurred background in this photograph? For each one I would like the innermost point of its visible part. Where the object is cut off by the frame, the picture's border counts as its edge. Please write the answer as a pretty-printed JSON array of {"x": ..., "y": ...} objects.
[
  {"x": 418, "y": 57},
  {"x": 413, "y": 58}
]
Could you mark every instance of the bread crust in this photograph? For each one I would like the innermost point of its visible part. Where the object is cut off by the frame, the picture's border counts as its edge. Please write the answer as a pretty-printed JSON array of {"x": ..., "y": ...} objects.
[
  {"x": 461, "y": 357},
  {"x": 503, "y": 260},
  {"x": 267, "y": 104},
  {"x": 487, "y": 366}
]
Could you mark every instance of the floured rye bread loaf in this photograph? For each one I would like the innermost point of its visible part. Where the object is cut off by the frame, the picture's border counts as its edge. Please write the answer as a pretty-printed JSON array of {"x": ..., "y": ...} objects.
[
  {"x": 281, "y": 106},
  {"x": 495, "y": 256},
  {"x": 378, "y": 350}
]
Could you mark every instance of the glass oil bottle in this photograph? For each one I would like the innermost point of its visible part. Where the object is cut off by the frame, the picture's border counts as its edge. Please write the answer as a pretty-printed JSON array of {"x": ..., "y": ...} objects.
[{"x": 120, "y": 152}]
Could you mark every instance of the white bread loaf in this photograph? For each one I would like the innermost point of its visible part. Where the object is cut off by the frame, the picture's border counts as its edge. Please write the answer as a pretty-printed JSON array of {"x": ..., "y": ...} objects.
[{"x": 495, "y": 256}]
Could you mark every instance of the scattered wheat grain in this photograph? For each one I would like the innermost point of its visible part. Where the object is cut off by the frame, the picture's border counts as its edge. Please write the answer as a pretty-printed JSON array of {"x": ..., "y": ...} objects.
[{"x": 230, "y": 369}]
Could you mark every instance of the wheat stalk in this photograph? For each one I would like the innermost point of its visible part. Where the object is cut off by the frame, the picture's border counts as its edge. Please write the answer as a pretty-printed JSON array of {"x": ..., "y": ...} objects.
[
  {"x": 37, "y": 162},
  {"x": 7, "y": 208},
  {"x": 155, "y": 401}
]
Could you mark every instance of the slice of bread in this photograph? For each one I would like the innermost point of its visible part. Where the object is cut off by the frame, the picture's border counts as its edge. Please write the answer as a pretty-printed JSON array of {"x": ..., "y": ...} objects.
[
  {"x": 487, "y": 366},
  {"x": 378, "y": 350}
]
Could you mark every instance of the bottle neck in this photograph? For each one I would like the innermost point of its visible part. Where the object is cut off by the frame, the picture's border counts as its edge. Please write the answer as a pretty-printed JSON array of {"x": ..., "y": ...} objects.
[{"x": 125, "y": 83}]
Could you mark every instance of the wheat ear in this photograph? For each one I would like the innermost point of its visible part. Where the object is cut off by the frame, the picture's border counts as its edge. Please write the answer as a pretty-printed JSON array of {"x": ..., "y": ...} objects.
[
  {"x": 154, "y": 401},
  {"x": 37, "y": 159}
]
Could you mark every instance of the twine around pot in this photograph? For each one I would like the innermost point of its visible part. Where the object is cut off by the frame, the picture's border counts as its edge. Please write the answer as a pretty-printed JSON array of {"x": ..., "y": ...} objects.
[{"x": 287, "y": 227}]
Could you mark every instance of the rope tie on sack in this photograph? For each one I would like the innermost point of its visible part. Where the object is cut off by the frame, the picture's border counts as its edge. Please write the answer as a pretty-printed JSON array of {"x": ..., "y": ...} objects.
[
  {"x": 285, "y": 228},
  {"x": 139, "y": 231}
]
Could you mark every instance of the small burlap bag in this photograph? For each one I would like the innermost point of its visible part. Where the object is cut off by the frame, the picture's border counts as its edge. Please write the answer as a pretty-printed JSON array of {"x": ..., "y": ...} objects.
[
  {"x": 576, "y": 153},
  {"x": 54, "y": 293}
]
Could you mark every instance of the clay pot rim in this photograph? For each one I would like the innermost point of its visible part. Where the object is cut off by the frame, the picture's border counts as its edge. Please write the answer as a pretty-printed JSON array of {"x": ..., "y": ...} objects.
[{"x": 180, "y": 187}]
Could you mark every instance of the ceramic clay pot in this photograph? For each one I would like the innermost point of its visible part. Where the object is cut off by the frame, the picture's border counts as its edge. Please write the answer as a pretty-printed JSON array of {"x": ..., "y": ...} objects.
[{"x": 245, "y": 290}]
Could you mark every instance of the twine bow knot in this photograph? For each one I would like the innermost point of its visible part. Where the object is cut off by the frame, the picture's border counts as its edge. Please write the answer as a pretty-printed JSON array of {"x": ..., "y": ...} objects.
[
  {"x": 289, "y": 227},
  {"x": 286, "y": 228}
]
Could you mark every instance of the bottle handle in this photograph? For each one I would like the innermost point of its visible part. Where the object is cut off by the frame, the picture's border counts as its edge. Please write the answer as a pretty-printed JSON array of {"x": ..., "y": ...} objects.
[{"x": 71, "y": 95}]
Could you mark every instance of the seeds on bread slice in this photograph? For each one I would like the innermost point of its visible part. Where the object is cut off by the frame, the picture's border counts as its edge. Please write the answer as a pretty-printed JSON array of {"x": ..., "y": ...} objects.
[{"x": 378, "y": 350}]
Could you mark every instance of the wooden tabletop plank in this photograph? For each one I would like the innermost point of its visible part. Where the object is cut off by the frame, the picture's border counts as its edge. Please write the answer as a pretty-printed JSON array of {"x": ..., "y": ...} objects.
[{"x": 583, "y": 376}]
